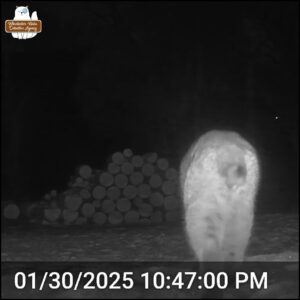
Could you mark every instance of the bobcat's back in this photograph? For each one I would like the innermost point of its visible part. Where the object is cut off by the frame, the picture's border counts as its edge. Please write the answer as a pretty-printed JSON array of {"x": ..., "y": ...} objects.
[{"x": 219, "y": 177}]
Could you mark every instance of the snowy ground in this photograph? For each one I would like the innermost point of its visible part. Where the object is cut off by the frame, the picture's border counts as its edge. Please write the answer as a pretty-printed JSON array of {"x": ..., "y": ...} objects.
[{"x": 275, "y": 238}]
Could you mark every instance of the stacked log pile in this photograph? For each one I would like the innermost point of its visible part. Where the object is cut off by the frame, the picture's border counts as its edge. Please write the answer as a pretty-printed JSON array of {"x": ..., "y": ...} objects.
[{"x": 133, "y": 189}]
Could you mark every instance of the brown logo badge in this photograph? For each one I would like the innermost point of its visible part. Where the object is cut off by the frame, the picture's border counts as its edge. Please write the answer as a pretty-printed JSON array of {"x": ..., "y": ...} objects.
[{"x": 23, "y": 26}]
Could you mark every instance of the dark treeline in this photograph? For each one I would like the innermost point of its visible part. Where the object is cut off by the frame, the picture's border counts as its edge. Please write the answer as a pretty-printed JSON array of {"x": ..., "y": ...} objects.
[{"x": 103, "y": 76}]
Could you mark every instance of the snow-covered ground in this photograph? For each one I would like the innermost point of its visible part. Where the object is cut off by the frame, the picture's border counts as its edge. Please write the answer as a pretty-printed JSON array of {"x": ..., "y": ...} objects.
[{"x": 275, "y": 239}]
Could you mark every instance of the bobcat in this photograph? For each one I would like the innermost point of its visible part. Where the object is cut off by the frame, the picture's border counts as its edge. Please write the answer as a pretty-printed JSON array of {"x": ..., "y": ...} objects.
[{"x": 219, "y": 177}]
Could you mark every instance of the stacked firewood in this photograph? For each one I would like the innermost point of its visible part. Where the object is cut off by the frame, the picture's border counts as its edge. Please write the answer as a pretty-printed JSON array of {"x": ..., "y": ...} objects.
[{"x": 133, "y": 189}]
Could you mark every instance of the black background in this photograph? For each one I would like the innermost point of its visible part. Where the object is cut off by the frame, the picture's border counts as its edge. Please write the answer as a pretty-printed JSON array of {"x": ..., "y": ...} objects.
[{"x": 151, "y": 76}]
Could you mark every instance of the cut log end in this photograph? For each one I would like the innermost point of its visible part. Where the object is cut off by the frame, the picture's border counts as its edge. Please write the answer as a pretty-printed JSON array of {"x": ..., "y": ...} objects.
[
  {"x": 137, "y": 161},
  {"x": 127, "y": 168},
  {"x": 69, "y": 216},
  {"x": 113, "y": 193},
  {"x": 11, "y": 211},
  {"x": 130, "y": 192},
  {"x": 85, "y": 171},
  {"x": 123, "y": 205},
  {"x": 118, "y": 158},
  {"x": 88, "y": 210},
  {"x": 106, "y": 179},
  {"x": 157, "y": 199},
  {"x": 155, "y": 181},
  {"x": 99, "y": 218},
  {"x": 121, "y": 180},
  {"x": 131, "y": 217},
  {"x": 72, "y": 202},
  {"x": 151, "y": 157},
  {"x": 136, "y": 178},
  {"x": 99, "y": 192},
  {"x": 145, "y": 210},
  {"x": 144, "y": 190},
  {"x": 162, "y": 164},
  {"x": 127, "y": 153},
  {"x": 108, "y": 206},
  {"x": 115, "y": 218},
  {"x": 113, "y": 168}
]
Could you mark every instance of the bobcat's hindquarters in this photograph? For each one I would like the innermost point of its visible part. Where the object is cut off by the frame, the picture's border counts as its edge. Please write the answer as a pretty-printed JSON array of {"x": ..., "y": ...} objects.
[{"x": 219, "y": 177}]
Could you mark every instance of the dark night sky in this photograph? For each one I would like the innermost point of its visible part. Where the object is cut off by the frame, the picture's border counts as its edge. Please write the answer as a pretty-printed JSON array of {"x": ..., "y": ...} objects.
[{"x": 104, "y": 76}]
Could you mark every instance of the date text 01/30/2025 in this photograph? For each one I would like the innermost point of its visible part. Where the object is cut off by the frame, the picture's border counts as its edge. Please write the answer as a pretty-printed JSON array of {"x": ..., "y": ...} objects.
[{"x": 126, "y": 280}]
